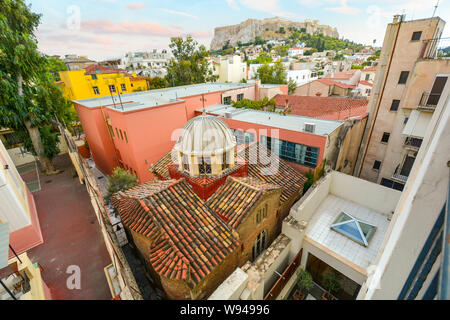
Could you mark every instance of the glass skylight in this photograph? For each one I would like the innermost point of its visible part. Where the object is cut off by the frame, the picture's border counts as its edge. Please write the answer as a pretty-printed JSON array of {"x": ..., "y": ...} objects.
[{"x": 354, "y": 229}]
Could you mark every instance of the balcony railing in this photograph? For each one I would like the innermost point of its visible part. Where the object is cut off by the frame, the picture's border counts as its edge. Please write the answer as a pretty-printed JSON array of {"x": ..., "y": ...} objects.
[
  {"x": 284, "y": 278},
  {"x": 399, "y": 177},
  {"x": 429, "y": 101},
  {"x": 413, "y": 143},
  {"x": 435, "y": 49}
]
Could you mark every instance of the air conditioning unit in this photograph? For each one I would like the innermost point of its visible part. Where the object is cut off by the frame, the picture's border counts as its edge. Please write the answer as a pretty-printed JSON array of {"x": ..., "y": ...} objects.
[{"x": 310, "y": 127}]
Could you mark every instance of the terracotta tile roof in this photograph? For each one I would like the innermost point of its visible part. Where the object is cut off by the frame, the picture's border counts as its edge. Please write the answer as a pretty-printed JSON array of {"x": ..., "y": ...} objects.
[
  {"x": 235, "y": 199},
  {"x": 269, "y": 168},
  {"x": 343, "y": 75},
  {"x": 331, "y": 108},
  {"x": 161, "y": 167},
  {"x": 188, "y": 239},
  {"x": 366, "y": 83},
  {"x": 330, "y": 82},
  {"x": 370, "y": 69},
  {"x": 92, "y": 69}
]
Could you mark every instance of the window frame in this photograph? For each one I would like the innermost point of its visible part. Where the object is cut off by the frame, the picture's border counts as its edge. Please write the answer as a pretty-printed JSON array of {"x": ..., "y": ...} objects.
[
  {"x": 376, "y": 165},
  {"x": 402, "y": 79},
  {"x": 96, "y": 90},
  {"x": 415, "y": 33},
  {"x": 386, "y": 134},
  {"x": 111, "y": 86},
  {"x": 396, "y": 103},
  {"x": 123, "y": 87}
]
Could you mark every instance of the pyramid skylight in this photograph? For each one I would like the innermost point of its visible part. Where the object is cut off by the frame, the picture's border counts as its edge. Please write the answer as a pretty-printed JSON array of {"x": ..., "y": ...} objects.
[{"x": 354, "y": 229}]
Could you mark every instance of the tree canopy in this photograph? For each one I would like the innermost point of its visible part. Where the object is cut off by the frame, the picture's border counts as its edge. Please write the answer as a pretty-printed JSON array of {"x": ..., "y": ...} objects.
[
  {"x": 29, "y": 97},
  {"x": 157, "y": 83},
  {"x": 272, "y": 74},
  {"x": 120, "y": 180},
  {"x": 189, "y": 65}
]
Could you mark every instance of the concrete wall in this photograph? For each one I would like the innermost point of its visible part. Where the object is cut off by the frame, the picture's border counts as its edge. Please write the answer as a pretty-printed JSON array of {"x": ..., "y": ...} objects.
[
  {"x": 419, "y": 206},
  {"x": 313, "y": 89},
  {"x": 399, "y": 54}
]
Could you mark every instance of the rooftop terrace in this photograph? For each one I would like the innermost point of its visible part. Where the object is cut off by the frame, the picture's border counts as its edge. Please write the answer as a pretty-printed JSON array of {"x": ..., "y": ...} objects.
[
  {"x": 272, "y": 119},
  {"x": 147, "y": 99}
]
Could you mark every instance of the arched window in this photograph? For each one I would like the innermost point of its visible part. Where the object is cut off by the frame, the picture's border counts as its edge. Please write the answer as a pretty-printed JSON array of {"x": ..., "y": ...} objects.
[
  {"x": 260, "y": 244},
  {"x": 205, "y": 165},
  {"x": 186, "y": 163}
]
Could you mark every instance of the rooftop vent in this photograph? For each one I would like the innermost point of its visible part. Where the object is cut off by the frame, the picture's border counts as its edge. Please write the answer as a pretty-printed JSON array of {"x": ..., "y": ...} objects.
[
  {"x": 228, "y": 115},
  {"x": 310, "y": 127}
]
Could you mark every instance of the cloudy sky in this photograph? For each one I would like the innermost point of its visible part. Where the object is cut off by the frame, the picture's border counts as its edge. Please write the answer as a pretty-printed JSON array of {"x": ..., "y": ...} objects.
[{"x": 104, "y": 29}]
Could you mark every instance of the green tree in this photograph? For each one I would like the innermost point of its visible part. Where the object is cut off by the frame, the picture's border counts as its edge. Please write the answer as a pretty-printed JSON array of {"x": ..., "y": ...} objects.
[
  {"x": 29, "y": 97},
  {"x": 292, "y": 85},
  {"x": 310, "y": 51},
  {"x": 275, "y": 74},
  {"x": 120, "y": 180},
  {"x": 281, "y": 50},
  {"x": 189, "y": 65},
  {"x": 55, "y": 66},
  {"x": 157, "y": 83}
]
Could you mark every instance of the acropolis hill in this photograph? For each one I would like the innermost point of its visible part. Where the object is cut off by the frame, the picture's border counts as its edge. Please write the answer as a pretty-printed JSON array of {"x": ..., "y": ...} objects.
[{"x": 246, "y": 31}]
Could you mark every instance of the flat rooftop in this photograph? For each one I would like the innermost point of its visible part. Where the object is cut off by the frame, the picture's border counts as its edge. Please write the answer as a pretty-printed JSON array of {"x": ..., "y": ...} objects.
[
  {"x": 319, "y": 230},
  {"x": 147, "y": 99},
  {"x": 276, "y": 120}
]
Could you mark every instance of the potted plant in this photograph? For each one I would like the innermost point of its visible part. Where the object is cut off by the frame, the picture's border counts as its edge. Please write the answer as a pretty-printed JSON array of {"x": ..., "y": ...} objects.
[
  {"x": 304, "y": 284},
  {"x": 331, "y": 282}
]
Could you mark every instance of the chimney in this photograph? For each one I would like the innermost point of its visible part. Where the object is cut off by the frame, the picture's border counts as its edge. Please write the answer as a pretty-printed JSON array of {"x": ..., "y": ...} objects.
[{"x": 257, "y": 88}]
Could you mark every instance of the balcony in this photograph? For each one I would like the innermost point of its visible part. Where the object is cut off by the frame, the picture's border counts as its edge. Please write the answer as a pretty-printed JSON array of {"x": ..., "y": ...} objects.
[
  {"x": 413, "y": 143},
  {"x": 429, "y": 101},
  {"x": 434, "y": 48}
]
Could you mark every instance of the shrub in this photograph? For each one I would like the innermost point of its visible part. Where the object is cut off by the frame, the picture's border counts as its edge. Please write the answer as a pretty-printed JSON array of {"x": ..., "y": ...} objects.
[{"x": 120, "y": 180}]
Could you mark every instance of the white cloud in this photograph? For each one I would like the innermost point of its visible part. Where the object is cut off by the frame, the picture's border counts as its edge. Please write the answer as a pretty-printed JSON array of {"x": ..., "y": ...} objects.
[
  {"x": 180, "y": 13},
  {"x": 233, "y": 4},
  {"x": 270, "y": 6},
  {"x": 344, "y": 9}
]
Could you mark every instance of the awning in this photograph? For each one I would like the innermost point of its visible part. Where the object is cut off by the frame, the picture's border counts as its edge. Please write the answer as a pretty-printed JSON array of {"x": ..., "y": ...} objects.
[
  {"x": 4, "y": 245},
  {"x": 417, "y": 124}
]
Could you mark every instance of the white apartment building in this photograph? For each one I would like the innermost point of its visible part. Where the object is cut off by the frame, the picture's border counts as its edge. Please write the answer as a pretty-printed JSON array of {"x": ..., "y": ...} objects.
[
  {"x": 229, "y": 68},
  {"x": 150, "y": 64}
]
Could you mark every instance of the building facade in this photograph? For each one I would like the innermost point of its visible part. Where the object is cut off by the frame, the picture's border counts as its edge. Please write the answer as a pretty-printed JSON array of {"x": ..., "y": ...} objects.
[
  {"x": 211, "y": 209},
  {"x": 407, "y": 88},
  {"x": 99, "y": 81}
]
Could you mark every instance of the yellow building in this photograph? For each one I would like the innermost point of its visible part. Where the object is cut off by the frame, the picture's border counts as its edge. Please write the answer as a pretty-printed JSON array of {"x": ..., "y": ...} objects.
[{"x": 99, "y": 81}]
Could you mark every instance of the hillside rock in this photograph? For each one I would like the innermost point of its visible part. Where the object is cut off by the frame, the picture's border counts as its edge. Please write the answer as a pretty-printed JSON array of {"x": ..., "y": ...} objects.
[{"x": 246, "y": 31}]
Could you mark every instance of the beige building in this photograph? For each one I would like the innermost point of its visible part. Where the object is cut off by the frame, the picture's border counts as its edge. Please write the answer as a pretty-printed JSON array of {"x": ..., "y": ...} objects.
[
  {"x": 229, "y": 68},
  {"x": 408, "y": 85}
]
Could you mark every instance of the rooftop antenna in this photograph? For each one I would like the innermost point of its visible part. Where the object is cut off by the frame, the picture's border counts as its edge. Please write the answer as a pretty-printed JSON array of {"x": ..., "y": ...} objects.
[{"x": 435, "y": 8}]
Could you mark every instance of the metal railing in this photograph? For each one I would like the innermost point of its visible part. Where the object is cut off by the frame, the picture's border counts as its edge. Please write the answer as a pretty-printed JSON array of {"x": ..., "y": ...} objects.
[
  {"x": 435, "y": 49},
  {"x": 414, "y": 143},
  {"x": 429, "y": 101},
  {"x": 399, "y": 177}
]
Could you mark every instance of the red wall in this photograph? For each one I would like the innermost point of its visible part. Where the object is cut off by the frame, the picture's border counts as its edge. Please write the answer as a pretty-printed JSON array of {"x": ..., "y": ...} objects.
[{"x": 304, "y": 138}]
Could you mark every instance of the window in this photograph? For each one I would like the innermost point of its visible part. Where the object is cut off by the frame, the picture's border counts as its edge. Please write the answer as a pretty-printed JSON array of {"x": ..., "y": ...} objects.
[
  {"x": 293, "y": 152},
  {"x": 125, "y": 134},
  {"x": 94, "y": 77},
  {"x": 243, "y": 137},
  {"x": 111, "y": 131},
  {"x": 403, "y": 77},
  {"x": 224, "y": 162},
  {"x": 368, "y": 91},
  {"x": 392, "y": 184},
  {"x": 358, "y": 231},
  {"x": 227, "y": 100},
  {"x": 406, "y": 120},
  {"x": 124, "y": 87},
  {"x": 121, "y": 135},
  {"x": 112, "y": 88},
  {"x": 258, "y": 217},
  {"x": 117, "y": 133},
  {"x": 385, "y": 137},
  {"x": 240, "y": 97},
  {"x": 367, "y": 77},
  {"x": 96, "y": 91},
  {"x": 260, "y": 244},
  {"x": 185, "y": 162},
  {"x": 205, "y": 165},
  {"x": 416, "y": 36},
  {"x": 377, "y": 165},
  {"x": 394, "y": 105}
]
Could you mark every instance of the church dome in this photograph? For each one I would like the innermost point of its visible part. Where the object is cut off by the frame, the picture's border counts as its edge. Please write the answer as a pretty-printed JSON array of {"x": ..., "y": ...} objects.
[{"x": 205, "y": 136}]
